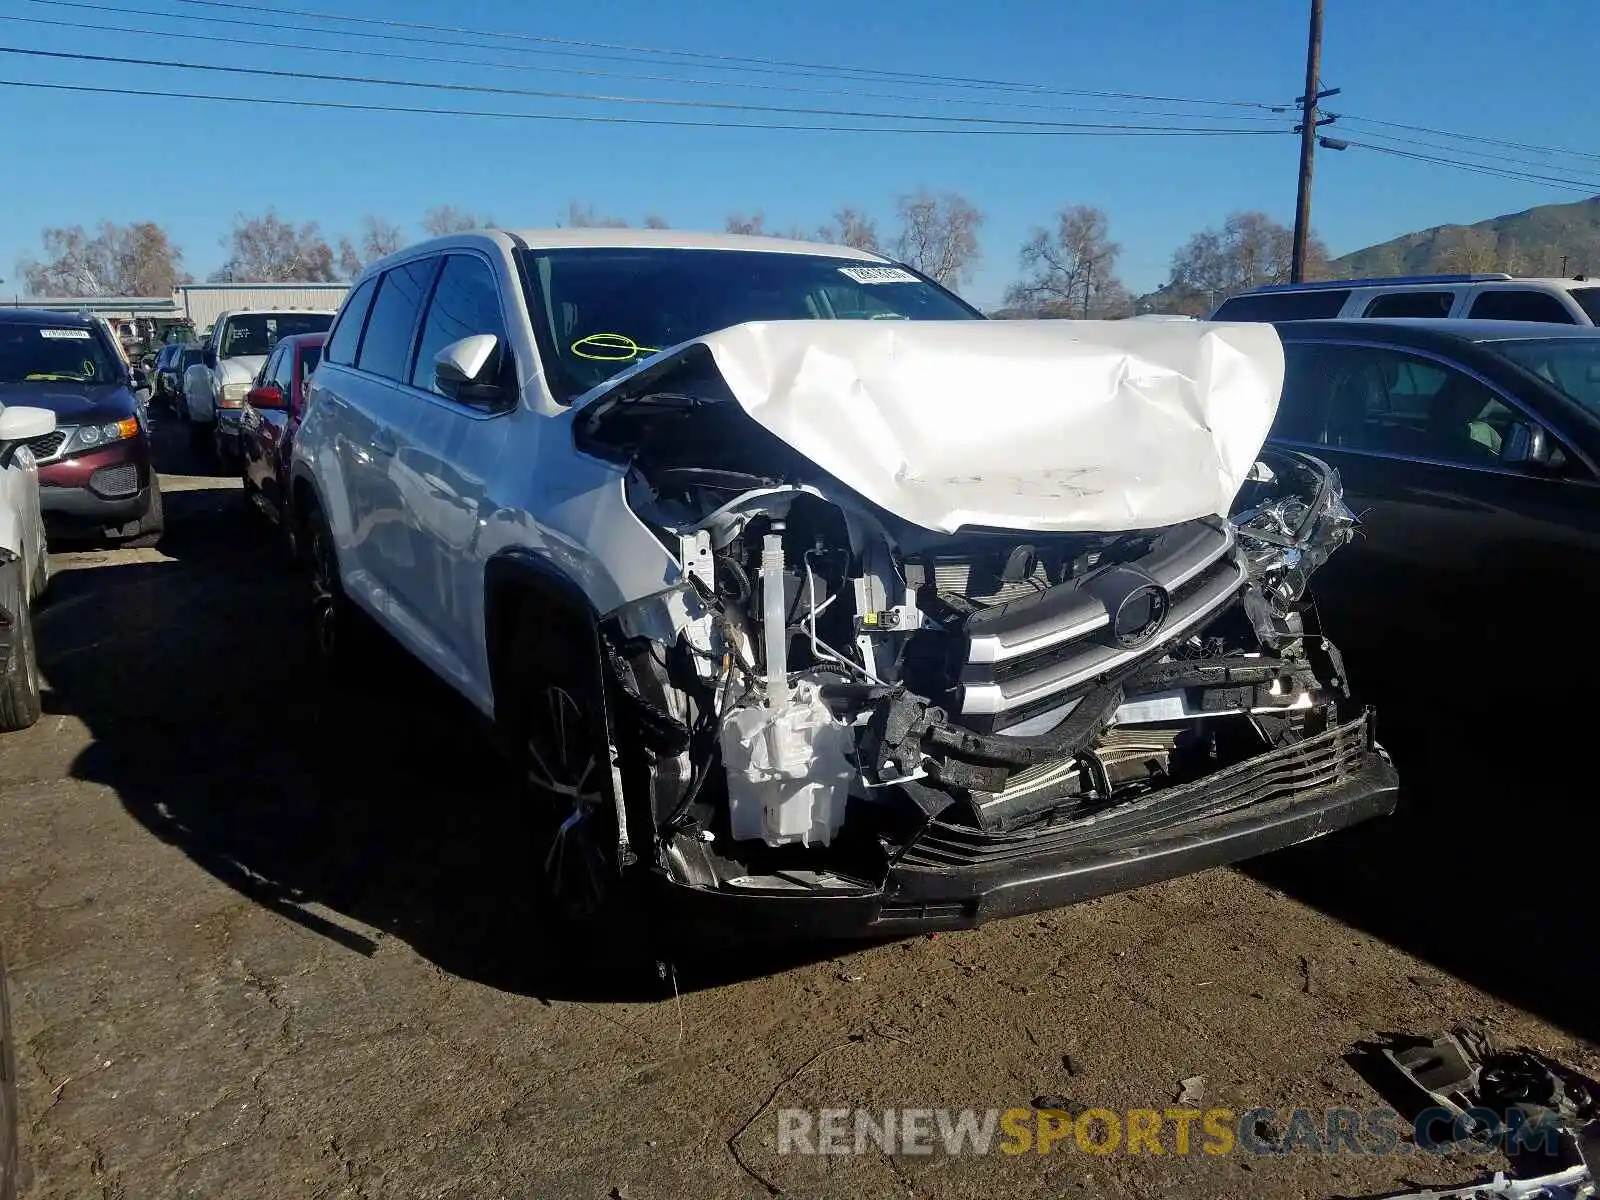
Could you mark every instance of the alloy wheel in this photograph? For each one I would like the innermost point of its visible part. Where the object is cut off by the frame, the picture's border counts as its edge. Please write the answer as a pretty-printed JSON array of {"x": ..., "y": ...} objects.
[{"x": 562, "y": 764}]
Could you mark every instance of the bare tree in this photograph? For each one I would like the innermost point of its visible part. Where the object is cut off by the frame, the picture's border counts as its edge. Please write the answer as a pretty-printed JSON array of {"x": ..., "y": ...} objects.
[
  {"x": 654, "y": 222},
  {"x": 739, "y": 223},
  {"x": 938, "y": 235},
  {"x": 444, "y": 219},
  {"x": 850, "y": 227},
  {"x": 116, "y": 260},
  {"x": 1249, "y": 250},
  {"x": 584, "y": 216},
  {"x": 350, "y": 264},
  {"x": 1071, "y": 272},
  {"x": 271, "y": 250},
  {"x": 1470, "y": 251},
  {"x": 379, "y": 239}
]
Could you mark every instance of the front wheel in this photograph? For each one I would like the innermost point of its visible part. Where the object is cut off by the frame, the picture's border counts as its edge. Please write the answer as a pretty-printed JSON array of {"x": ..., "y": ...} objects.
[
  {"x": 557, "y": 724},
  {"x": 147, "y": 530},
  {"x": 20, "y": 703}
]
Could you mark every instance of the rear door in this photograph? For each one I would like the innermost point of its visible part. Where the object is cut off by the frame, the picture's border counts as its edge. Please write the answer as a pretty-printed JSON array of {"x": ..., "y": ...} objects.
[
  {"x": 260, "y": 431},
  {"x": 375, "y": 420},
  {"x": 446, "y": 464},
  {"x": 1459, "y": 549}
]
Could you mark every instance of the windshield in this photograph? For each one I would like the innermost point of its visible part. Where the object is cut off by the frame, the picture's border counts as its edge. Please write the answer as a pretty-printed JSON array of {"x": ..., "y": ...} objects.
[
  {"x": 55, "y": 354},
  {"x": 1570, "y": 364},
  {"x": 598, "y": 311},
  {"x": 257, "y": 333}
]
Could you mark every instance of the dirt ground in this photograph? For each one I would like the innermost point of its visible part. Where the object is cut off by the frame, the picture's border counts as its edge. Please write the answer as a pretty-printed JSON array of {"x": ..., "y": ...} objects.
[{"x": 260, "y": 949}]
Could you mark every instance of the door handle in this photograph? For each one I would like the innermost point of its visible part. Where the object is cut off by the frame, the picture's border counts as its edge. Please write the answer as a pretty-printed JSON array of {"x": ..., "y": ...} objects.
[{"x": 383, "y": 443}]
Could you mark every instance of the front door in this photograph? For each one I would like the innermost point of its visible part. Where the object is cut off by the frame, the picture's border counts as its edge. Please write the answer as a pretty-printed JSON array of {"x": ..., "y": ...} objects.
[{"x": 1466, "y": 563}]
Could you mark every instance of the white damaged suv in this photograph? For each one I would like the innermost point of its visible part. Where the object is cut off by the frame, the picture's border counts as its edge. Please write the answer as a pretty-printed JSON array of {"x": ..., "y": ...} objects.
[
  {"x": 24, "y": 562},
  {"x": 817, "y": 603}
]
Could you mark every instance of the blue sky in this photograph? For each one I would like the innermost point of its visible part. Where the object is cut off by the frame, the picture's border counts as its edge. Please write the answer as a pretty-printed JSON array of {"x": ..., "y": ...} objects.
[{"x": 1476, "y": 66}]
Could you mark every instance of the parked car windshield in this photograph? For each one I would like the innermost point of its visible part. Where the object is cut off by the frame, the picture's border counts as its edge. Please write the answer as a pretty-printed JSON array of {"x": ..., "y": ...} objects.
[
  {"x": 55, "y": 354},
  {"x": 1571, "y": 364},
  {"x": 310, "y": 356},
  {"x": 258, "y": 333},
  {"x": 598, "y": 311}
]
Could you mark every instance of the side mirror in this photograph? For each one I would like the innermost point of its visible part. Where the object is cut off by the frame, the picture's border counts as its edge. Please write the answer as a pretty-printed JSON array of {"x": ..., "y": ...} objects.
[
  {"x": 209, "y": 356},
  {"x": 19, "y": 424},
  {"x": 138, "y": 377},
  {"x": 267, "y": 396},
  {"x": 1529, "y": 444},
  {"x": 467, "y": 370}
]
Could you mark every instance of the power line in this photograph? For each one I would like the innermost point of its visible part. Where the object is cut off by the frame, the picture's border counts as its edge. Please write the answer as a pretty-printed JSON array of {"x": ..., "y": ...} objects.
[
  {"x": 1479, "y": 168},
  {"x": 236, "y": 40},
  {"x": 1495, "y": 157},
  {"x": 734, "y": 61},
  {"x": 592, "y": 119},
  {"x": 657, "y": 101},
  {"x": 1470, "y": 137}
]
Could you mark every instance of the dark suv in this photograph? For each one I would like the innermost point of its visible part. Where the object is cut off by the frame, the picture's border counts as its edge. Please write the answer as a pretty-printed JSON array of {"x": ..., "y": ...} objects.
[{"x": 94, "y": 469}]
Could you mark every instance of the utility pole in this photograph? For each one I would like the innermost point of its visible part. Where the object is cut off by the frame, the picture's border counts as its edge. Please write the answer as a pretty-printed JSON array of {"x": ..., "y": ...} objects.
[{"x": 1308, "y": 141}]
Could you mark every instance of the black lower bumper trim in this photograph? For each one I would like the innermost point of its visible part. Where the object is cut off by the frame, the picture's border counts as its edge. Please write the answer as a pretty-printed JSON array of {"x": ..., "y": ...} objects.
[{"x": 919, "y": 898}]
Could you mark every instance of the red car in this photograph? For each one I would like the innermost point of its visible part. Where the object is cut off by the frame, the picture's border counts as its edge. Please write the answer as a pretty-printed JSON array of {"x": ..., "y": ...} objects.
[
  {"x": 271, "y": 415},
  {"x": 95, "y": 476}
]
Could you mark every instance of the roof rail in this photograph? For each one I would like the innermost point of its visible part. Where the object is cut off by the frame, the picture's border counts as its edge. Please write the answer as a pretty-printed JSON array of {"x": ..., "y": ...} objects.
[{"x": 1377, "y": 281}]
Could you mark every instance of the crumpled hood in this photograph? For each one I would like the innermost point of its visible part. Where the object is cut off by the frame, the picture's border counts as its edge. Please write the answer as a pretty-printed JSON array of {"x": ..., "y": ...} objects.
[
  {"x": 1062, "y": 426},
  {"x": 73, "y": 403}
]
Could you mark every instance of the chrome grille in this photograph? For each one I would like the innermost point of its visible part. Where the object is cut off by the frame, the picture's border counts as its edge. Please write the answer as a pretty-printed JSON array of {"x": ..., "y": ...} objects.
[
  {"x": 980, "y": 582},
  {"x": 47, "y": 445}
]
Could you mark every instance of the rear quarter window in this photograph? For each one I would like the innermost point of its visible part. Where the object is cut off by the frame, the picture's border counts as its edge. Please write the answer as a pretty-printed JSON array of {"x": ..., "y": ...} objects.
[
  {"x": 1505, "y": 304},
  {"x": 1284, "y": 306}
]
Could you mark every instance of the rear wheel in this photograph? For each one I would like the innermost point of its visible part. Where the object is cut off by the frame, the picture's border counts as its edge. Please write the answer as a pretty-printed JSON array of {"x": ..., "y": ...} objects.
[
  {"x": 20, "y": 704},
  {"x": 337, "y": 635}
]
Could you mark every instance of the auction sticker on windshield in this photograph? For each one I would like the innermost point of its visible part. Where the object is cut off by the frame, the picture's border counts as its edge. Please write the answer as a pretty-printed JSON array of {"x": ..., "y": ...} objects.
[
  {"x": 879, "y": 274},
  {"x": 78, "y": 334}
]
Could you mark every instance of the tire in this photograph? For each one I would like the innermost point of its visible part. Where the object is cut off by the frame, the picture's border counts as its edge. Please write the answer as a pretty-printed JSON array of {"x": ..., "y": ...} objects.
[
  {"x": 555, "y": 728},
  {"x": 200, "y": 436},
  {"x": 147, "y": 530},
  {"x": 19, "y": 683},
  {"x": 340, "y": 641}
]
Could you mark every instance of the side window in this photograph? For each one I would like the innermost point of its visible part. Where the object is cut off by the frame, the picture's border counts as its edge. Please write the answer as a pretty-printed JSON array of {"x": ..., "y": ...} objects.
[
  {"x": 283, "y": 370},
  {"x": 1303, "y": 407},
  {"x": 465, "y": 302},
  {"x": 1309, "y": 305},
  {"x": 269, "y": 368},
  {"x": 1390, "y": 402},
  {"x": 1412, "y": 304},
  {"x": 392, "y": 327},
  {"x": 1505, "y": 304},
  {"x": 347, "y": 332}
]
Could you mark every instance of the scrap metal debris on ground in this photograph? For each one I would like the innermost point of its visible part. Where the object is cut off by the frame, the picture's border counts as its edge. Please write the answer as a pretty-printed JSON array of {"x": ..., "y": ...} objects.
[{"x": 1547, "y": 1114}]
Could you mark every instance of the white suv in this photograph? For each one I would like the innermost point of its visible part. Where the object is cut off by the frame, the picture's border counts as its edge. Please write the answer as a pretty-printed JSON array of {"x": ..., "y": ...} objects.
[
  {"x": 1489, "y": 297},
  {"x": 815, "y": 600},
  {"x": 237, "y": 344},
  {"x": 24, "y": 562}
]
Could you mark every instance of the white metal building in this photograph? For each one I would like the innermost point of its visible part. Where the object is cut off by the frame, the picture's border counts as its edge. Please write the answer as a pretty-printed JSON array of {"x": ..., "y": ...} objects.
[{"x": 202, "y": 302}]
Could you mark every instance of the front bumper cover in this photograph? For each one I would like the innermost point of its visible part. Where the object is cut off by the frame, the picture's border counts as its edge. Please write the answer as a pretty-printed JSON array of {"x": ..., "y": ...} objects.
[{"x": 957, "y": 877}]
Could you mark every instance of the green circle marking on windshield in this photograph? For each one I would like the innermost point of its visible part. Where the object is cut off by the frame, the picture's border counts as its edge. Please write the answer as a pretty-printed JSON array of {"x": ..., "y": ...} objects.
[{"x": 610, "y": 347}]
